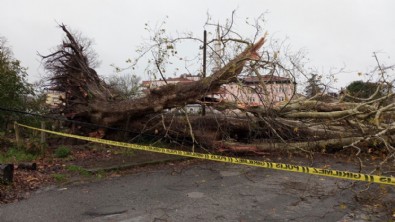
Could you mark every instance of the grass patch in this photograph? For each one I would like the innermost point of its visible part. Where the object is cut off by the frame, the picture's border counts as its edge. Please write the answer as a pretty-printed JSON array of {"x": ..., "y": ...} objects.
[
  {"x": 124, "y": 151},
  {"x": 62, "y": 152},
  {"x": 14, "y": 154},
  {"x": 59, "y": 177},
  {"x": 100, "y": 174},
  {"x": 78, "y": 169}
]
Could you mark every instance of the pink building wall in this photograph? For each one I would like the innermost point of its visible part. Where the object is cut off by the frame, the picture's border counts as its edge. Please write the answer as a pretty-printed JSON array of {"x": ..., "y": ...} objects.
[
  {"x": 256, "y": 95},
  {"x": 249, "y": 91}
]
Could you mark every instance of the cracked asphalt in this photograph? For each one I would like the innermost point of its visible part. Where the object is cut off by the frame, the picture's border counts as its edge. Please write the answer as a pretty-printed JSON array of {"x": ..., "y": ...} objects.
[{"x": 206, "y": 191}]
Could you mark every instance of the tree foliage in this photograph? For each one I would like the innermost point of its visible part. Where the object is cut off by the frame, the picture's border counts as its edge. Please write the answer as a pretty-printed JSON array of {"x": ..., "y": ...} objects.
[
  {"x": 125, "y": 86},
  {"x": 314, "y": 85},
  {"x": 14, "y": 88},
  {"x": 363, "y": 89}
]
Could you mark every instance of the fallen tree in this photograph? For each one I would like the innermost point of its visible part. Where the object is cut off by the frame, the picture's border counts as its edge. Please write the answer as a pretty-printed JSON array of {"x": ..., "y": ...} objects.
[
  {"x": 89, "y": 98},
  {"x": 304, "y": 124}
]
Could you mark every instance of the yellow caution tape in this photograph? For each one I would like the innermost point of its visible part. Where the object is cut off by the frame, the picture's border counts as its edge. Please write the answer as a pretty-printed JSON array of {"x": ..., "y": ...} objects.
[{"x": 256, "y": 163}]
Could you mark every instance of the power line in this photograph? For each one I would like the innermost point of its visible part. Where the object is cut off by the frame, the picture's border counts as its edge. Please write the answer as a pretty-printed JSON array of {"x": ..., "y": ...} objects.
[
  {"x": 64, "y": 119},
  {"x": 78, "y": 122}
]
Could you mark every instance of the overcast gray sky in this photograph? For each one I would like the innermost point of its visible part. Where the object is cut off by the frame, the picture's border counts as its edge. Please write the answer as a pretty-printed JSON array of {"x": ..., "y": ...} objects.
[{"x": 334, "y": 33}]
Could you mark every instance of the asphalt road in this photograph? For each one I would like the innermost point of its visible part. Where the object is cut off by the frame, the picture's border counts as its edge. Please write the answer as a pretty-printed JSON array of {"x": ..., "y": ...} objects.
[{"x": 206, "y": 191}]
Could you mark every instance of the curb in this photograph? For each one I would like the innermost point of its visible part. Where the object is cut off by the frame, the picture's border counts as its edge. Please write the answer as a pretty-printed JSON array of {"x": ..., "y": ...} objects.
[{"x": 133, "y": 165}]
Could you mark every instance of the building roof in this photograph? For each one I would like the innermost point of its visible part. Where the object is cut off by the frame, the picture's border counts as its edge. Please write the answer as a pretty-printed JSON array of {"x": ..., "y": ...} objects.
[{"x": 265, "y": 78}]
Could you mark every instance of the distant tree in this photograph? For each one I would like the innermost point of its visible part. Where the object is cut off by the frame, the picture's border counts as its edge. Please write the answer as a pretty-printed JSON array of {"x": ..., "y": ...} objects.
[
  {"x": 125, "y": 86},
  {"x": 314, "y": 85},
  {"x": 14, "y": 88},
  {"x": 362, "y": 89}
]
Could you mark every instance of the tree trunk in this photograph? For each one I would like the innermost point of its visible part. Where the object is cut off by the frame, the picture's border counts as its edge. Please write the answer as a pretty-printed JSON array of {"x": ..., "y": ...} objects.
[{"x": 89, "y": 99}]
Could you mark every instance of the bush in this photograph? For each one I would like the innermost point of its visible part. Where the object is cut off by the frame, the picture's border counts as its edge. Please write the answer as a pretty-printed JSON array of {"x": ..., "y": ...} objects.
[
  {"x": 363, "y": 89},
  {"x": 62, "y": 152},
  {"x": 16, "y": 155}
]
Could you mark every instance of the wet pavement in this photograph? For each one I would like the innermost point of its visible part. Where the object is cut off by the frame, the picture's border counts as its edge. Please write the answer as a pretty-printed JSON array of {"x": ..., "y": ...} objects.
[{"x": 208, "y": 191}]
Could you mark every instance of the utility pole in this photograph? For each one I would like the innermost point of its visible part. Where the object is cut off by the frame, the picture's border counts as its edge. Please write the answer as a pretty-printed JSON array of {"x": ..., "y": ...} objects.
[{"x": 204, "y": 66}]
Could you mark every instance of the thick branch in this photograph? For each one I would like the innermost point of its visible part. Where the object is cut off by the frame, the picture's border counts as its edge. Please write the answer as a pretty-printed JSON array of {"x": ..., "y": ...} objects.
[{"x": 170, "y": 96}]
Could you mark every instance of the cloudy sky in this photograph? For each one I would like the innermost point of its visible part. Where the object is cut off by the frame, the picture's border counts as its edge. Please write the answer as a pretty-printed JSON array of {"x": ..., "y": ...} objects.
[{"x": 333, "y": 33}]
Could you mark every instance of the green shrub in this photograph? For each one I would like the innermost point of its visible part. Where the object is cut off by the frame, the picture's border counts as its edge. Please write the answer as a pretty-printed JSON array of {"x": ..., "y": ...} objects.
[
  {"x": 16, "y": 155},
  {"x": 363, "y": 89},
  {"x": 62, "y": 152}
]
